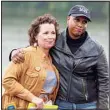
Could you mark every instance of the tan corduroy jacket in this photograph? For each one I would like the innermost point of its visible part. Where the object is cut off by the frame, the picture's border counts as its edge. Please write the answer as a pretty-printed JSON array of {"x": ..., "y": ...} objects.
[{"x": 28, "y": 77}]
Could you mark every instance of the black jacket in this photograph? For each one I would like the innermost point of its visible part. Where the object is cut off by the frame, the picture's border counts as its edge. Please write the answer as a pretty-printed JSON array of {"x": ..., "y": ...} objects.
[{"x": 83, "y": 75}]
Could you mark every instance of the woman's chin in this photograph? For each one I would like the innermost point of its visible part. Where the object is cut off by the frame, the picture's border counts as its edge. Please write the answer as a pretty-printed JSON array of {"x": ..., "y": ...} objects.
[{"x": 49, "y": 46}]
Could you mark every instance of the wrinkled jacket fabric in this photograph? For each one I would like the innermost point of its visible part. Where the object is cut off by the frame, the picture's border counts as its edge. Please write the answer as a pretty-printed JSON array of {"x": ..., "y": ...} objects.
[
  {"x": 83, "y": 75},
  {"x": 29, "y": 76}
]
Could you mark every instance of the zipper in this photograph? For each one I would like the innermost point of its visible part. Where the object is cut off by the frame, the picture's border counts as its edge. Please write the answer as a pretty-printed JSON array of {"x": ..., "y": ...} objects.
[
  {"x": 84, "y": 90},
  {"x": 69, "y": 84},
  {"x": 70, "y": 78}
]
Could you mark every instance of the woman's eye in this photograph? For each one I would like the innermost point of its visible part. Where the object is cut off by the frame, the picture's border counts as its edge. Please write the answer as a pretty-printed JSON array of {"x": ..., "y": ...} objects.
[
  {"x": 53, "y": 33},
  {"x": 45, "y": 32}
]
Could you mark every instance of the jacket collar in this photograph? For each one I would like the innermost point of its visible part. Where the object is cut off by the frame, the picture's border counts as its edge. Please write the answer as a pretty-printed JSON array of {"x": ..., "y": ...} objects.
[
  {"x": 39, "y": 52},
  {"x": 87, "y": 49}
]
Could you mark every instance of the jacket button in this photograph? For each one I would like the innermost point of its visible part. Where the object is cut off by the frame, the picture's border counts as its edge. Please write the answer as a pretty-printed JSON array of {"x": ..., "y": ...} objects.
[{"x": 38, "y": 68}]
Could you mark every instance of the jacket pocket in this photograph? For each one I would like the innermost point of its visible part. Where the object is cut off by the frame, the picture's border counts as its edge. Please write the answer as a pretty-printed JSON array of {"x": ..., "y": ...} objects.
[
  {"x": 31, "y": 79},
  {"x": 78, "y": 89}
]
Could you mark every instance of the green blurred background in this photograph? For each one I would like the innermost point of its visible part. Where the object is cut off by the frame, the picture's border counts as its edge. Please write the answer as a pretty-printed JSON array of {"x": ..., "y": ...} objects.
[{"x": 17, "y": 16}]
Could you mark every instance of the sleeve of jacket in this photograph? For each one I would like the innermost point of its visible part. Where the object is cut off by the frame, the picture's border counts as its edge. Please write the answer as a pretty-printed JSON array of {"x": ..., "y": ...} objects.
[
  {"x": 11, "y": 54},
  {"x": 103, "y": 82},
  {"x": 11, "y": 81}
]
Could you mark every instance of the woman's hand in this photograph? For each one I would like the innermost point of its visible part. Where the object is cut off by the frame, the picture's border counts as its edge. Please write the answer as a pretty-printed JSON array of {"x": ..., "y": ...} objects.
[
  {"x": 17, "y": 56},
  {"x": 39, "y": 102}
]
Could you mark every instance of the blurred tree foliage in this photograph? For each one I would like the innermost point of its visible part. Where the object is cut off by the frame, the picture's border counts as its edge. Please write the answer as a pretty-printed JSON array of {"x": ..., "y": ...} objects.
[{"x": 100, "y": 10}]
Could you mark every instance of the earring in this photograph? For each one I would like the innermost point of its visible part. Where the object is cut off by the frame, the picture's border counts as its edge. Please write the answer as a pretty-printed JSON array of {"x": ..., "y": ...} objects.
[{"x": 35, "y": 44}]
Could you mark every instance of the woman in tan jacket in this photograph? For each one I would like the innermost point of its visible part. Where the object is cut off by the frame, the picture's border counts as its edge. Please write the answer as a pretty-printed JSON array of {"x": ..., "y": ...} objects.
[{"x": 35, "y": 80}]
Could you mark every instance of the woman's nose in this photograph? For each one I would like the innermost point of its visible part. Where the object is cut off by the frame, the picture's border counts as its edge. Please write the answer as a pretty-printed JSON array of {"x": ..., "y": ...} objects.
[{"x": 51, "y": 36}]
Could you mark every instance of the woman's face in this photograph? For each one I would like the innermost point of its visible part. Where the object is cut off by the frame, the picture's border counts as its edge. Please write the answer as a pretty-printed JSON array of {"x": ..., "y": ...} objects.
[{"x": 47, "y": 36}]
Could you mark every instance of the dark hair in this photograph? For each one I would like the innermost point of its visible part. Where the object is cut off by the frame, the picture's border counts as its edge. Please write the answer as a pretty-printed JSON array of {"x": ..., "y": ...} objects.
[{"x": 34, "y": 29}]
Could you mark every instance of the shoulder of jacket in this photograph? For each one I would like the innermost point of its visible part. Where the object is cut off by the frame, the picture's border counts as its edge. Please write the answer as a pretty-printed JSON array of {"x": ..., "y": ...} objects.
[
  {"x": 29, "y": 51},
  {"x": 60, "y": 38},
  {"x": 91, "y": 47},
  {"x": 95, "y": 44}
]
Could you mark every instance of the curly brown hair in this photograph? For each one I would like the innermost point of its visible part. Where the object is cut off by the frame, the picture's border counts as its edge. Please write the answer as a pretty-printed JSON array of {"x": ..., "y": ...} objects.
[{"x": 34, "y": 28}]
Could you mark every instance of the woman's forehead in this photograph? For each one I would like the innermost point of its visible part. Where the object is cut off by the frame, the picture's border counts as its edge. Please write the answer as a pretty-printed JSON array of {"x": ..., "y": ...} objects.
[{"x": 47, "y": 26}]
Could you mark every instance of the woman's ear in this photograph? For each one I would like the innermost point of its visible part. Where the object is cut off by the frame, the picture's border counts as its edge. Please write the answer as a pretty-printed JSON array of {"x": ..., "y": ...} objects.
[
  {"x": 36, "y": 41},
  {"x": 35, "y": 44}
]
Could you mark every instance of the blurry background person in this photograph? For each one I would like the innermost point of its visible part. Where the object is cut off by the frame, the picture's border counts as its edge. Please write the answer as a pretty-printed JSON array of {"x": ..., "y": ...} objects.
[{"x": 36, "y": 79}]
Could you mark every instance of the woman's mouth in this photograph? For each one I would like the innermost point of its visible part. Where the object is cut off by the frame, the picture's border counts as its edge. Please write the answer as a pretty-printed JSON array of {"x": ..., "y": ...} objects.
[{"x": 50, "y": 41}]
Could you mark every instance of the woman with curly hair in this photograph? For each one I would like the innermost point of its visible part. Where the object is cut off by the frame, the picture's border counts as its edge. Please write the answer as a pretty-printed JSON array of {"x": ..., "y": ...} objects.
[{"x": 36, "y": 80}]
